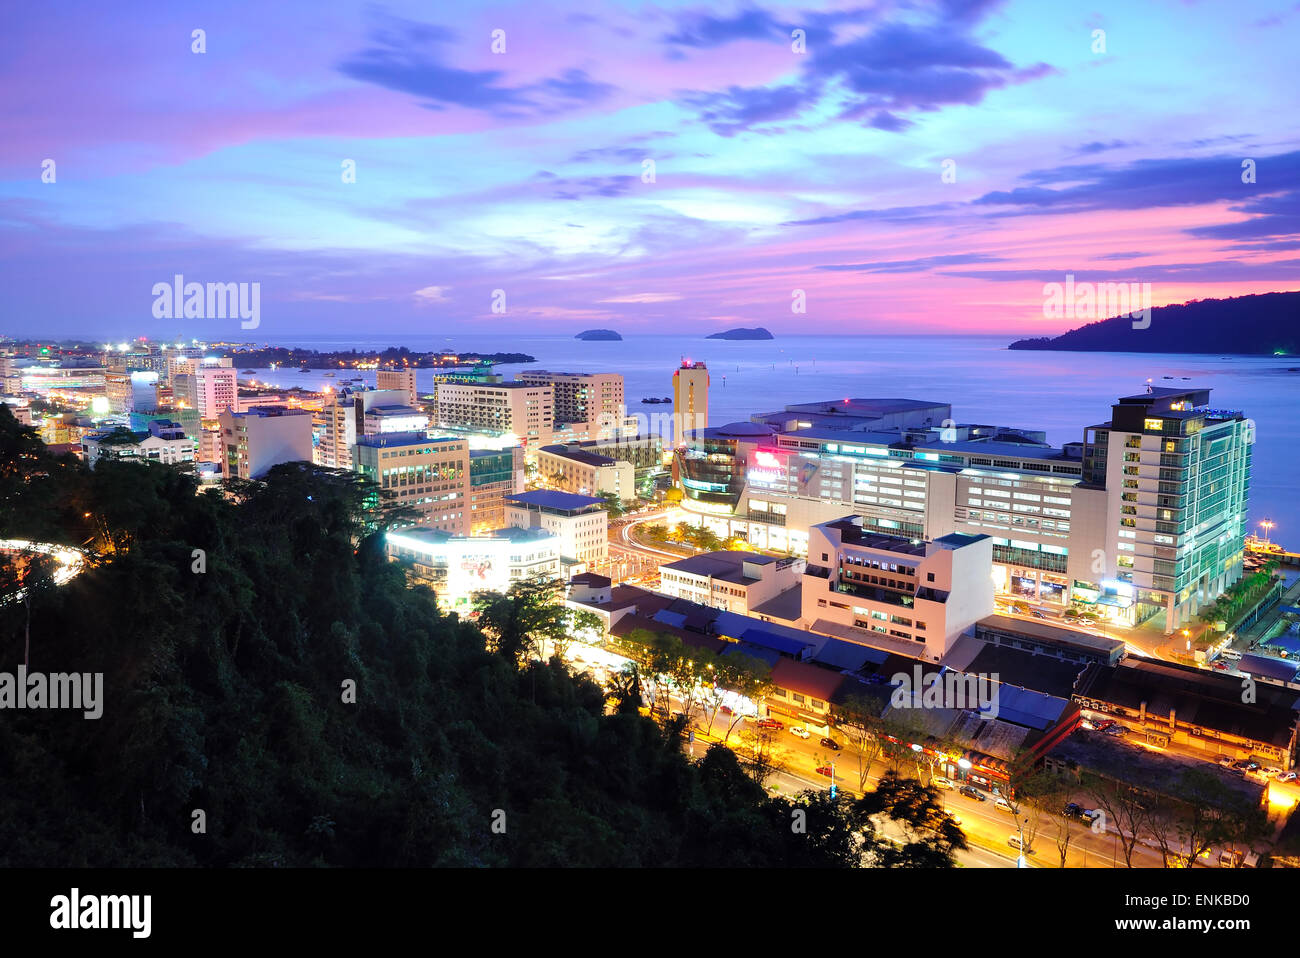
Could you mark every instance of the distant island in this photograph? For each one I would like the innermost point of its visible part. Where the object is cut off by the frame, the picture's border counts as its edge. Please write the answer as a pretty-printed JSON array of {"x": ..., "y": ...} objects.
[
  {"x": 599, "y": 334},
  {"x": 758, "y": 332},
  {"x": 394, "y": 357},
  {"x": 1266, "y": 324}
]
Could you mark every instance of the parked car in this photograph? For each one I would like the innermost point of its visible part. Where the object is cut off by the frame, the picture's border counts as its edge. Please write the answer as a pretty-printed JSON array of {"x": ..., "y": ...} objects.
[
  {"x": 969, "y": 791},
  {"x": 1287, "y": 777},
  {"x": 940, "y": 782},
  {"x": 1018, "y": 843},
  {"x": 1245, "y": 766},
  {"x": 824, "y": 770},
  {"x": 1073, "y": 810},
  {"x": 1231, "y": 859},
  {"x": 771, "y": 724},
  {"x": 1116, "y": 730},
  {"x": 800, "y": 732},
  {"x": 726, "y": 710},
  {"x": 1002, "y": 805},
  {"x": 1091, "y": 814},
  {"x": 1104, "y": 724},
  {"x": 1036, "y": 614},
  {"x": 1226, "y": 761},
  {"x": 831, "y": 744},
  {"x": 1270, "y": 771}
]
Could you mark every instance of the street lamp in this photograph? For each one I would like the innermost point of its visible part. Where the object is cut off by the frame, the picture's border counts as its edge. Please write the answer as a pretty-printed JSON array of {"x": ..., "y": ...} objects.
[{"x": 1267, "y": 525}]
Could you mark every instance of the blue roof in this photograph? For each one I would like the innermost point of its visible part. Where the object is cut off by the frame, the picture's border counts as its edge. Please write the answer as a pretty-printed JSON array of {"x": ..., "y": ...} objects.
[
  {"x": 553, "y": 499},
  {"x": 770, "y": 656},
  {"x": 1267, "y": 667},
  {"x": 770, "y": 640},
  {"x": 1286, "y": 642}
]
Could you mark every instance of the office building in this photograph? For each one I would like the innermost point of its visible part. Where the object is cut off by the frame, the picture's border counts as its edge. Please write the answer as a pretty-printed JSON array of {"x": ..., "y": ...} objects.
[
  {"x": 494, "y": 474},
  {"x": 131, "y": 391},
  {"x": 402, "y": 380},
  {"x": 909, "y": 596},
  {"x": 580, "y": 522},
  {"x": 429, "y": 475},
  {"x": 573, "y": 469},
  {"x": 521, "y": 410},
  {"x": 591, "y": 404},
  {"x": 254, "y": 441},
  {"x": 690, "y": 399},
  {"x": 162, "y": 441},
  {"x": 730, "y": 580}
]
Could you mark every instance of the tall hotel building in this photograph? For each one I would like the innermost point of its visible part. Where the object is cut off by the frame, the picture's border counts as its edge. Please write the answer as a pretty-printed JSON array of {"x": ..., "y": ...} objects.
[
  {"x": 690, "y": 399},
  {"x": 520, "y": 409},
  {"x": 1146, "y": 516},
  {"x": 591, "y": 403},
  {"x": 1177, "y": 475}
]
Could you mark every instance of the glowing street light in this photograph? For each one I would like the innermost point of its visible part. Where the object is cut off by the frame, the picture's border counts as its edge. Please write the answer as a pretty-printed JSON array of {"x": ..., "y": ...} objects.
[{"x": 1267, "y": 525}]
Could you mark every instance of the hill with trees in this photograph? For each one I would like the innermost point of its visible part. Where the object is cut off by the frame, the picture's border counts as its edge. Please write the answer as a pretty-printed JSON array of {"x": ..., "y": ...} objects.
[
  {"x": 1266, "y": 324},
  {"x": 230, "y": 630}
]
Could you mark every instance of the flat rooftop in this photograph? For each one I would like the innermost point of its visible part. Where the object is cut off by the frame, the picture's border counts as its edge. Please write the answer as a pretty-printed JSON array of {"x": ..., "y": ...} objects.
[
  {"x": 1054, "y": 634},
  {"x": 853, "y": 534},
  {"x": 725, "y": 565},
  {"x": 578, "y": 455},
  {"x": 554, "y": 500}
]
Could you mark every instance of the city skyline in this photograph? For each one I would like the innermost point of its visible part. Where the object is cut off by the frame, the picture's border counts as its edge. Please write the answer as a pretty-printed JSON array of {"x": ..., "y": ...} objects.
[{"x": 525, "y": 171}]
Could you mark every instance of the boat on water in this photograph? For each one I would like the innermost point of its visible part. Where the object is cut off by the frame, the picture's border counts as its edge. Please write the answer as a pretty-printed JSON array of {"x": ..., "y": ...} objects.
[
  {"x": 652, "y": 399},
  {"x": 248, "y": 372},
  {"x": 329, "y": 374}
]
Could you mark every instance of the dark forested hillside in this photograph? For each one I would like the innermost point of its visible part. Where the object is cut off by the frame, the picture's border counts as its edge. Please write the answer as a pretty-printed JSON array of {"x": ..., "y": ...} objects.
[
  {"x": 224, "y": 693},
  {"x": 1266, "y": 324}
]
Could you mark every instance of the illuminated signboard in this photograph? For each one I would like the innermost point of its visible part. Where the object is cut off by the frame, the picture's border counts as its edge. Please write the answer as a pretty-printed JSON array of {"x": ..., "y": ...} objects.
[{"x": 767, "y": 466}]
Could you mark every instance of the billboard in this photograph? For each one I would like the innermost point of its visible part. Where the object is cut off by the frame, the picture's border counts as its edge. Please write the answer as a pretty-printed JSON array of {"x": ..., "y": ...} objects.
[
  {"x": 472, "y": 568},
  {"x": 767, "y": 467}
]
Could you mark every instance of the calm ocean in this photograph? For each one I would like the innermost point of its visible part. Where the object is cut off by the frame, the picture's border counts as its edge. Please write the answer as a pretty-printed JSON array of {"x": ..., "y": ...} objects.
[{"x": 984, "y": 381}]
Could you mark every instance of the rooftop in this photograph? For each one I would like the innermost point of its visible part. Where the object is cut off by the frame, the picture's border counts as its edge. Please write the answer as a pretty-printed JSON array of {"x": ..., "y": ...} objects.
[
  {"x": 725, "y": 565},
  {"x": 1055, "y": 634},
  {"x": 554, "y": 500},
  {"x": 578, "y": 455}
]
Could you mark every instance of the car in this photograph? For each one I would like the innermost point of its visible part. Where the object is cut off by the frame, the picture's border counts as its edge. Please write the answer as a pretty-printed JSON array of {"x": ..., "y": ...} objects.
[
  {"x": 1018, "y": 843},
  {"x": 1245, "y": 766},
  {"x": 771, "y": 724},
  {"x": 1085, "y": 724},
  {"x": 800, "y": 732},
  {"x": 831, "y": 744},
  {"x": 1036, "y": 614},
  {"x": 1090, "y": 814},
  {"x": 1226, "y": 761},
  {"x": 1002, "y": 805},
  {"x": 1287, "y": 777},
  {"x": 824, "y": 770},
  {"x": 727, "y": 710},
  {"x": 1102, "y": 724},
  {"x": 1021, "y": 608},
  {"x": 970, "y": 791},
  {"x": 940, "y": 782},
  {"x": 1231, "y": 859},
  {"x": 1222, "y": 666},
  {"x": 1116, "y": 730},
  {"x": 1073, "y": 810}
]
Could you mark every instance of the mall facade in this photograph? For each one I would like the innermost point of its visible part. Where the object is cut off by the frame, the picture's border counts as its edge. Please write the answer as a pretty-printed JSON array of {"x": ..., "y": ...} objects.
[{"x": 1146, "y": 515}]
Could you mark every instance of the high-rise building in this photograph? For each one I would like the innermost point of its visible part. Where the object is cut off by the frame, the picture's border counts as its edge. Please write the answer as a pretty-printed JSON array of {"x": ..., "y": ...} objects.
[
  {"x": 214, "y": 390},
  {"x": 131, "y": 391},
  {"x": 591, "y": 403},
  {"x": 401, "y": 379},
  {"x": 519, "y": 409},
  {"x": 430, "y": 475},
  {"x": 1177, "y": 477},
  {"x": 494, "y": 475},
  {"x": 690, "y": 399},
  {"x": 254, "y": 441}
]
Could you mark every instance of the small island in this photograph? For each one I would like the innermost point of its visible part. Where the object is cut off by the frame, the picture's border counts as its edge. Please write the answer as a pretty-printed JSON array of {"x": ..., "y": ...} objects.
[
  {"x": 599, "y": 334},
  {"x": 758, "y": 332}
]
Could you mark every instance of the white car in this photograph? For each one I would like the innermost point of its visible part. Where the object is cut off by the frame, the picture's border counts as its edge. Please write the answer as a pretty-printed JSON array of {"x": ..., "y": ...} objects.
[
  {"x": 800, "y": 731},
  {"x": 1015, "y": 841},
  {"x": 1270, "y": 771},
  {"x": 1287, "y": 777},
  {"x": 940, "y": 782},
  {"x": 1003, "y": 805}
]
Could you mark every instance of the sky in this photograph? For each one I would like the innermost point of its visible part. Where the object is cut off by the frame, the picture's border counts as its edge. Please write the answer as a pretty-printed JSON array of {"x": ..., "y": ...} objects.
[{"x": 668, "y": 168}]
